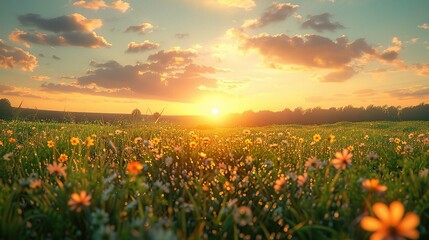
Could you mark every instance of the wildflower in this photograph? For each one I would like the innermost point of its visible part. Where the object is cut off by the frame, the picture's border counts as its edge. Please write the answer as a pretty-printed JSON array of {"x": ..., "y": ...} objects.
[
  {"x": 258, "y": 140},
  {"x": 426, "y": 141},
  {"x": 9, "y": 132},
  {"x": 316, "y": 137},
  {"x": 350, "y": 148},
  {"x": 35, "y": 183},
  {"x": 342, "y": 159},
  {"x": 51, "y": 144},
  {"x": 249, "y": 160},
  {"x": 313, "y": 162},
  {"x": 280, "y": 184},
  {"x": 137, "y": 140},
  {"x": 248, "y": 141},
  {"x": 373, "y": 185},
  {"x": 391, "y": 222},
  {"x": 331, "y": 138},
  {"x": 398, "y": 148},
  {"x": 206, "y": 140},
  {"x": 410, "y": 136},
  {"x": 366, "y": 137},
  {"x": 202, "y": 155},
  {"x": 12, "y": 140},
  {"x": 228, "y": 187},
  {"x": 408, "y": 149},
  {"x": 193, "y": 144},
  {"x": 63, "y": 158},
  {"x": 155, "y": 141},
  {"x": 58, "y": 169},
  {"x": 246, "y": 132},
  {"x": 302, "y": 179},
  {"x": 134, "y": 168},
  {"x": 8, "y": 156},
  {"x": 301, "y": 140},
  {"x": 89, "y": 142},
  {"x": 117, "y": 131},
  {"x": 79, "y": 200},
  {"x": 1, "y": 143},
  {"x": 243, "y": 215},
  {"x": 74, "y": 141},
  {"x": 372, "y": 156},
  {"x": 397, "y": 140}
]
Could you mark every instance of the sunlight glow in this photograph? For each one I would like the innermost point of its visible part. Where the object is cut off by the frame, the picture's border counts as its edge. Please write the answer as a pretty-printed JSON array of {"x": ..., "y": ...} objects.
[{"x": 215, "y": 111}]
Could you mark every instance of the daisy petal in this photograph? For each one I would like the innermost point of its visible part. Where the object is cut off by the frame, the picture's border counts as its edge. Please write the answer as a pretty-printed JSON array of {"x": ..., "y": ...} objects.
[
  {"x": 370, "y": 224},
  {"x": 382, "y": 212},
  {"x": 410, "y": 221},
  {"x": 397, "y": 212}
]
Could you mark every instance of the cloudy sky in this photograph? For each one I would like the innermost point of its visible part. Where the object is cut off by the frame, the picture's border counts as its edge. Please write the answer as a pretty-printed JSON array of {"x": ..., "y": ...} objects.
[{"x": 189, "y": 56}]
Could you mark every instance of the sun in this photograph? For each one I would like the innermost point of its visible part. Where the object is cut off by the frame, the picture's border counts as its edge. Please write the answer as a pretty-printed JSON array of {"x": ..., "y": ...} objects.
[{"x": 215, "y": 111}]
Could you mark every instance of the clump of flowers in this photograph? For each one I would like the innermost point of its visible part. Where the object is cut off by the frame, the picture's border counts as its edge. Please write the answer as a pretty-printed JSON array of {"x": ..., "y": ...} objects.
[
  {"x": 313, "y": 163},
  {"x": 302, "y": 179},
  {"x": 79, "y": 200},
  {"x": 390, "y": 222},
  {"x": 342, "y": 159},
  {"x": 280, "y": 184}
]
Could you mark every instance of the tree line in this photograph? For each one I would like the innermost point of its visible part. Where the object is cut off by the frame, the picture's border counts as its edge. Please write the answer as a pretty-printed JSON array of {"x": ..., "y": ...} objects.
[{"x": 319, "y": 115}]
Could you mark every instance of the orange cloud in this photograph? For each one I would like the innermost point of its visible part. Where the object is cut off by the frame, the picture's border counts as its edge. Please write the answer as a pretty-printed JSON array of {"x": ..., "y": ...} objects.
[
  {"x": 142, "y": 28},
  {"x": 244, "y": 4},
  {"x": 68, "y": 23},
  {"x": 275, "y": 13},
  {"x": 321, "y": 23},
  {"x": 308, "y": 50},
  {"x": 141, "y": 47},
  {"x": 70, "y": 30},
  {"x": 11, "y": 57},
  {"x": 40, "y": 78},
  {"x": 81, "y": 39},
  {"x": 101, "y": 4},
  {"x": 168, "y": 75}
]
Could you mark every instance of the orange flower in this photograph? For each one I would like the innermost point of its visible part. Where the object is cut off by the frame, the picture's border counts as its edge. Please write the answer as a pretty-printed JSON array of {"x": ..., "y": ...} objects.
[
  {"x": 391, "y": 222},
  {"x": 193, "y": 144},
  {"x": 35, "y": 184},
  {"x": 79, "y": 201},
  {"x": 63, "y": 158},
  {"x": 59, "y": 169},
  {"x": 1, "y": 143},
  {"x": 302, "y": 179},
  {"x": 228, "y": 187},
  {"x": 373, "y": 185},
  {"x": 51, "y": 144},
  {"x": 89, "y": 142},
  {"x": 280, "y": 184},
  {"x": 342, "y": 159},
  {"x": 74, "y": 141},
  {"x": 134, "y": 168},
  {"x": 12, "y": 140},
  {"x": 317, "y": 137},
  {"x": 331, "y": 138}
]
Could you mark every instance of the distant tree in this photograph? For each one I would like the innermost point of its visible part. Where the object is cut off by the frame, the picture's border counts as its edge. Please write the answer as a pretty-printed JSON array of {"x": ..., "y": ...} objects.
[
  {"x": 136, "y": 114},
  {"x": 6, "y": 110},
  {"x": 156, "y": 116}
]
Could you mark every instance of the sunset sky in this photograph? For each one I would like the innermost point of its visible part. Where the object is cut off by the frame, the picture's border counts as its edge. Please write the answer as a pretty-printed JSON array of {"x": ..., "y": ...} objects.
[{"x": 190, "y": 56}]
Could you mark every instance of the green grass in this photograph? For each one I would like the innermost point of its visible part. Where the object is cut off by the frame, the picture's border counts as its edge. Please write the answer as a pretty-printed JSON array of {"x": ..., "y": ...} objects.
[{"x": 181, "y": 194}]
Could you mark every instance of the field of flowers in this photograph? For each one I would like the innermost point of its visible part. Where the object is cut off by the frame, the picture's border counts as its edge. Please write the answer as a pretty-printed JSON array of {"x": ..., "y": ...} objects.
[{"x": 147, "y": 181}]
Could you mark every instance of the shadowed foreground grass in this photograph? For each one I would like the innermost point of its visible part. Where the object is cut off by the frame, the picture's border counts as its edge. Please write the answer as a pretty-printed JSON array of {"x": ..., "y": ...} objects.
[{"x": 71, "y": 181}]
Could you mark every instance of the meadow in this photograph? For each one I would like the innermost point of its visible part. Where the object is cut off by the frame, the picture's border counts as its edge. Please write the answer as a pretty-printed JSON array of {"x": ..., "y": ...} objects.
[{"x": 163, "y": 181}]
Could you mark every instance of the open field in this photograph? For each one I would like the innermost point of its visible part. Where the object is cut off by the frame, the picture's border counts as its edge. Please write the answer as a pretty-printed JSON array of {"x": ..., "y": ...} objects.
[{"x": 135, "y": 181}]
